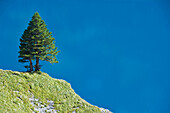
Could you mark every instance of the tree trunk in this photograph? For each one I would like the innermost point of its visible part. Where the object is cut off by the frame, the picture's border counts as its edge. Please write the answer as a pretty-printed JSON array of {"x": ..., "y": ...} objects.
[
  {"x": 37, "y": 68},
  {"x": 31, "y": 68}
]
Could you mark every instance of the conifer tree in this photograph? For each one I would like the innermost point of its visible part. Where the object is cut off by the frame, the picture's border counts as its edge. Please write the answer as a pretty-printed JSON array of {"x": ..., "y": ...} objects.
[
  {"x": 26, "y": 48},
  {"x": 43, "y": 44}
]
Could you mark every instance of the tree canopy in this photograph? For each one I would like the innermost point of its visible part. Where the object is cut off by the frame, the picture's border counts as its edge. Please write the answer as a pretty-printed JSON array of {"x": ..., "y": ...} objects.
[{"x": 37, "y": 44}]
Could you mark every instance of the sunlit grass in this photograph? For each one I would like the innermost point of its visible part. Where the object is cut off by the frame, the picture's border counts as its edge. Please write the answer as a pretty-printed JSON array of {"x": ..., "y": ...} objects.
[{"x": 15, "y": 89}]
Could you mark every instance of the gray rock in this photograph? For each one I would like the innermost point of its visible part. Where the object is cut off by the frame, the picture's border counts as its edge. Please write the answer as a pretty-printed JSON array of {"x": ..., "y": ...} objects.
[{"x": 105, "y": 110}]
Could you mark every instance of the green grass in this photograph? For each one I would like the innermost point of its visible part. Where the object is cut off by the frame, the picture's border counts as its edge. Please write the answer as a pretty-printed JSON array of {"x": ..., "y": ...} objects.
[{"x": 15, "y": 88}]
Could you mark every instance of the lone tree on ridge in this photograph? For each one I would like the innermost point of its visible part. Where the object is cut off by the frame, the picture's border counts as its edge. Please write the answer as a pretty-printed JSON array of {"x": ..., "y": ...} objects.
[{"x": 37, "y": 44}]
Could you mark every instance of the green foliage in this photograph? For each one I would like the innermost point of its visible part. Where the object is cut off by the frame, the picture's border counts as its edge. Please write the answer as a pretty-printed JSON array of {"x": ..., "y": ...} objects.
[
  {"x": 15, "y": 88},
  {"x": 37, "y": 42},
  {"x": 26, "y": 48}
]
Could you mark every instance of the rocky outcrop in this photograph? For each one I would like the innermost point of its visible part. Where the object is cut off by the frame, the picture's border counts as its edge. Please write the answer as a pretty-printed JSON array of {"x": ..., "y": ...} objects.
[{"x": 105, "y": 110}]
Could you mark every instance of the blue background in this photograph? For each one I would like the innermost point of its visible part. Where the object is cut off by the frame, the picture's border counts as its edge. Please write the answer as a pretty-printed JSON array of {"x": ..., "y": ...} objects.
[{"x": 115, "y": 53}]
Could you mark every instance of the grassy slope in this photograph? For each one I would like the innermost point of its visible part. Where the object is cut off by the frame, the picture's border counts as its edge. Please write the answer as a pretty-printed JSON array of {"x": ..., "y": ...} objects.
[{"x": 43, "y": 87}]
